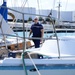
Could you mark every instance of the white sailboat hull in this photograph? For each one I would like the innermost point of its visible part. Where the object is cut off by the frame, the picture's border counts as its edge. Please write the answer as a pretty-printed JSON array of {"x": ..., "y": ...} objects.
[
  {"x": 42, "y": 72},
  {"x": 14, "y": 66},
  {"x": 11, "y": 72}
]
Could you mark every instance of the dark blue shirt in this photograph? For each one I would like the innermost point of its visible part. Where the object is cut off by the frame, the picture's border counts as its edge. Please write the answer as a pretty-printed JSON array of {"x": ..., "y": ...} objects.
[{"x": 36, "y": 30}]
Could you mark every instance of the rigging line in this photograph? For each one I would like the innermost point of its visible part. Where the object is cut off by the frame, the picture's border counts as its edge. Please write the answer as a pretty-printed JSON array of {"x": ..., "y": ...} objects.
[
  {"x": 66, "y": 4},
  {"x": 38, "y": 6},
  {"x": 10, "y": 13},
  {"x": 16, "y": 3},
  {"x": 27, "y": 4},
  {"x": 28, "y": 7},
  {"x": 13, "y": 2},
  {"x": 53, "y": 4},
  {"x": 24, "y": 3}
]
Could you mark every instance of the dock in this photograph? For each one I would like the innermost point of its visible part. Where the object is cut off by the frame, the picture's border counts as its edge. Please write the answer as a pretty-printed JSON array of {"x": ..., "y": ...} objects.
[{"x": 47, "y": 27}]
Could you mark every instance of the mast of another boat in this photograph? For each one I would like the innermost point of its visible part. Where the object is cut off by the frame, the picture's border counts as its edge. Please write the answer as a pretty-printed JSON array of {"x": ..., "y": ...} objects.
[{"x": 59, "y": 12}]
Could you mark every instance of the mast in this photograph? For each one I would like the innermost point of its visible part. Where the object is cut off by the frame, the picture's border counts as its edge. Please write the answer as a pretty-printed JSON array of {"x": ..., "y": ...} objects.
[{"x": 59, "y": 12}]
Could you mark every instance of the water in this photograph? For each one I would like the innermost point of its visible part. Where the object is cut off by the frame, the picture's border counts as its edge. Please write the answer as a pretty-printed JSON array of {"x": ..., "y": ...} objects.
[{"x": 47, "y": 34}]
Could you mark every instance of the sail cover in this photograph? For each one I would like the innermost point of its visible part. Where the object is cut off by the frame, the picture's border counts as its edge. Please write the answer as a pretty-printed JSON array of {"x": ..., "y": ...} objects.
[{"x": 4, "y": 27}]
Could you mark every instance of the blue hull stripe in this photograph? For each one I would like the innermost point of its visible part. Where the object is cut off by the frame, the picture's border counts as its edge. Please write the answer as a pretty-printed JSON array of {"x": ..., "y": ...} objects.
[{"x": 52, "y": 67}]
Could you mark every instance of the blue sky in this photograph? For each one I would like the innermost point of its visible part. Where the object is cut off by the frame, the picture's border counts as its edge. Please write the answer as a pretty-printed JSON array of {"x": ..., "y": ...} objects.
[{"x": 66, "y": 5}]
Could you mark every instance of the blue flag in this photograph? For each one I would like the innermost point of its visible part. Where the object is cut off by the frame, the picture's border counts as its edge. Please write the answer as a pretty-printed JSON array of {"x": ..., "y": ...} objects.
[{"x": 3, "y": 11}]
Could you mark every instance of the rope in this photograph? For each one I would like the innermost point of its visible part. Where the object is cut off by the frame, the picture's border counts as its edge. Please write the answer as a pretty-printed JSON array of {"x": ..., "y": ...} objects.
[
  {"x": 24, "y": 64},
  {"x": 33, "y": 64}
]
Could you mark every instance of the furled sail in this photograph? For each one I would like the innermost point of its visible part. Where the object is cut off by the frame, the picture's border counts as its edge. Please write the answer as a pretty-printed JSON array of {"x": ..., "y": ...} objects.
[{"x": 4, "y": 27}]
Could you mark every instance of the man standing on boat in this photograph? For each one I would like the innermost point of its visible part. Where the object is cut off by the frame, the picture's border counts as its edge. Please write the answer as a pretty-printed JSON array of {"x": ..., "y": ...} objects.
[{"x": 38, "y": 31}]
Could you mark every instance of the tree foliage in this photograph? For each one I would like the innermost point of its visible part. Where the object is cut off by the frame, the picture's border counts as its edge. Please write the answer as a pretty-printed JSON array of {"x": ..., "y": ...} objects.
[{"x": 30, "y": 19}]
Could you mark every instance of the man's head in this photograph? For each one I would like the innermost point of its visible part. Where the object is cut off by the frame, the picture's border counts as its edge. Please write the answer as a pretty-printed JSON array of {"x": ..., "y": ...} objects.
[{"x": 36, "y": 20}]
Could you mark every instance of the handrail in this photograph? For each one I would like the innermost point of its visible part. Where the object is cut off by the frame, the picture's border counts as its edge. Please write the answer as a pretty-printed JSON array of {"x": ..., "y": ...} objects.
[
  {"x": 24, "y": 47},
  {"x": 56, "y": 37},
  {"x": 24, "y": 65},
  {"x": 23, "y": 12},
  {"x": 30, "y": 38}
]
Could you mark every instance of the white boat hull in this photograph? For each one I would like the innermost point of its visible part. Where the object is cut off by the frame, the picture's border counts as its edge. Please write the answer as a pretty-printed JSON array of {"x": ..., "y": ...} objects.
[
  {"x": 55, "y": 72},
  {"x": 14, "y": 66},
  {"x": 42, "y": 72}
]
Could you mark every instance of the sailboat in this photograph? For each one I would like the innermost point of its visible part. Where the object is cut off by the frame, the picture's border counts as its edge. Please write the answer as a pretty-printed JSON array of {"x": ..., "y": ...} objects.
[
  {"x": 12, "y": 43},
  {"x": 58, "y": 59}
]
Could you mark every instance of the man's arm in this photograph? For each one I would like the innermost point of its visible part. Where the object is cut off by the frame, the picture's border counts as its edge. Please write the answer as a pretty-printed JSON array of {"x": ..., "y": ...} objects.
[
  {"x": 42, "y": 33},
  {"x": 30, "y": 33}
]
